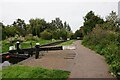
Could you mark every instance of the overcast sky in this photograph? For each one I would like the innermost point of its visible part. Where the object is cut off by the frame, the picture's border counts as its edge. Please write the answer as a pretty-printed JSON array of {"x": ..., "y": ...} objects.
[{"x": 71, "y": 11}]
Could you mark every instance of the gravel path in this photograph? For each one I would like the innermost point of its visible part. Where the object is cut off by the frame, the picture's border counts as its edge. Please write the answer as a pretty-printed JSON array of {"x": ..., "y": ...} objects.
[{"x": 89, "y": 64}]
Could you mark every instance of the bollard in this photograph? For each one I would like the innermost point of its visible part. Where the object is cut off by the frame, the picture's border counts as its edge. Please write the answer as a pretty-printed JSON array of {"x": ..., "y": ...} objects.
[
  {"x": 18, "y": 48},
  {"x": 17, "y": 45},
  {"x": 37, "y": 50}
]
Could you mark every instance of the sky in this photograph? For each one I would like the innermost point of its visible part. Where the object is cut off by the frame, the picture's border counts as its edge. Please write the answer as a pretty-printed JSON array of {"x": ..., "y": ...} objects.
[
  {"x": 119, "y": 9},
  {"x": 71, "y": 11}
]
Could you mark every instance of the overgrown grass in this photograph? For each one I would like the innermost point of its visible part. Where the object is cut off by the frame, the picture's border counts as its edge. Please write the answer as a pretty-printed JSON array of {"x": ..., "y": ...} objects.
[
  {"x": 5, "y": 46},
  {"x": 67, "y": 43},
  {"x": 25, "y": 44},
  {"x": 33, "y": 72}
]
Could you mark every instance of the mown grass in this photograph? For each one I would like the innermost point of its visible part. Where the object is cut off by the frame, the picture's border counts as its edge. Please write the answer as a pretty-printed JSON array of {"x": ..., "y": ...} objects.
[
  {"x": 67, "y": 43},
  {"x": 33, "y": 72},
  {"x": 26, "y": 44}
]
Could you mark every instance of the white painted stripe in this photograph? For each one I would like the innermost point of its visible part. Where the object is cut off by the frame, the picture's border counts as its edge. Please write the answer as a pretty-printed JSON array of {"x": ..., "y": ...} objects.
[{"x": 69, "y": 47}]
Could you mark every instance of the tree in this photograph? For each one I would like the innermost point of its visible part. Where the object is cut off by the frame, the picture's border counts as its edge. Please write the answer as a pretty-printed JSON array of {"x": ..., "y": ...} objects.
[
  {"x": 46, "y": 35},
  {"x": 63, "y": 33},
  {"x": 10, "y": 31},
  {"x": 112, "y": 21},
  {"x": 66, "y": 26},
  {"x": 78, "y": 33},
  {"x": 57, "y": 23},
  {"x": 37, "y": 26},
  {"x": 90, "y": 21},
  {"x": 112, "y": 17},
  {"x": 60, "y": 29},
  {"x": 20, "y": 26},
  {"x": 2, "y": 31}
]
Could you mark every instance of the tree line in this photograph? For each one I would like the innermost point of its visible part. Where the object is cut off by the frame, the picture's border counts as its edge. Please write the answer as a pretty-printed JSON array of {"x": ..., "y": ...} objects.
[
  {"x": 112, "y": 22},
  {"x": 37, "y": 27}
]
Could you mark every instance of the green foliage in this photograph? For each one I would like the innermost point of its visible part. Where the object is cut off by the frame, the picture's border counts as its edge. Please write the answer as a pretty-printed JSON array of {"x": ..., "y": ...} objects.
[
  {"x": 112, "y": 22},
  {"x": 5, "y": 46},
  {"x": 55, "y": 34},
  {"x": 60, "y": 29},
  {"x": 29, "y": 37},
  {"x": 57, "y": 23},
  {"x": 36, "y": 27},
  {"x": 78, "y": 33},
  {"x": 8, "y": 31},
  {"x": 66, "y": 26},
  {"x": 46, "y": 35},
  {"x": 20, "y": 27},
  {"x": 63, "y": 34},
  {"x": 67, "y": 43},
  {"x": 90, "y": 22},
  {"x": 105, "y": 42},
  {"x": 33, "y": 72}
]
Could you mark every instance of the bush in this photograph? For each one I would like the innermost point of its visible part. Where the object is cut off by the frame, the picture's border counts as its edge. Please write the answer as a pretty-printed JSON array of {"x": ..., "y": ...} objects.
[
  {"x": 105, "y": 42},
  {"x": 46, "y": 35},
  {"x": 55, "y": 35},
  {"x": 31, "y": 38},
  {"x": 15, "y": 39}
]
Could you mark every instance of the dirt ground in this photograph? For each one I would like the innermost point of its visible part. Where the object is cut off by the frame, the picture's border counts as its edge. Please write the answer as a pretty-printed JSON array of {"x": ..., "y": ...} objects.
[{"x": 81, "y": 62}]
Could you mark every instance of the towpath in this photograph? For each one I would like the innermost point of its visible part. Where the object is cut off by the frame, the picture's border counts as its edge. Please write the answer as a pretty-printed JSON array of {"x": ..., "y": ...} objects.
[{"x": 89, "y": 64}]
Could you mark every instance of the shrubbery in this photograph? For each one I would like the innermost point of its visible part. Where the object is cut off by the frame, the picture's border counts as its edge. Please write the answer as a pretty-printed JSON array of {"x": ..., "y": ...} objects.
[
  {"x": 15, "y": 39},
  {"x": 37, "y": 27},
  {"x": 105, "y": 42},
  {"x": 46, "y": 35},
  {"x": 31, "y": 38}
]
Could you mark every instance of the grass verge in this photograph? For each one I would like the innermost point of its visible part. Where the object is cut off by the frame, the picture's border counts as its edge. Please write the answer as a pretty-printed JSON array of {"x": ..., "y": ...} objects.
[
  {"x": 67, "y": 43},
  {"x": 33, "y": 72}
]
